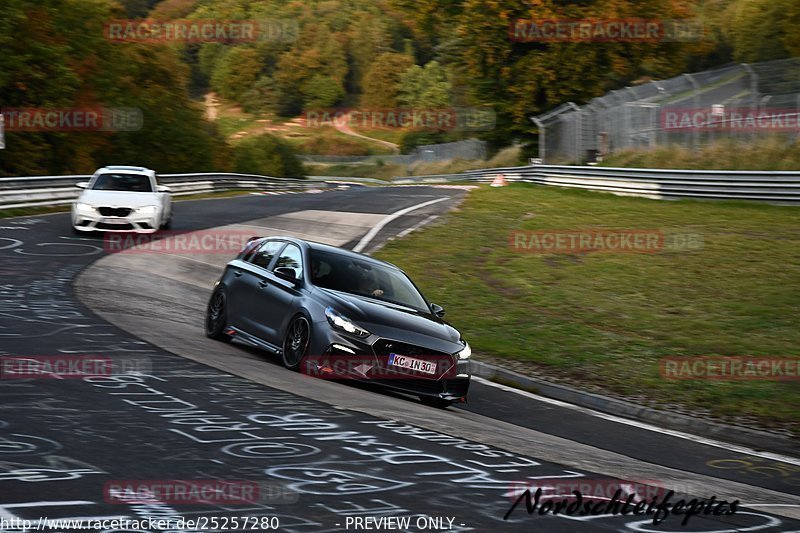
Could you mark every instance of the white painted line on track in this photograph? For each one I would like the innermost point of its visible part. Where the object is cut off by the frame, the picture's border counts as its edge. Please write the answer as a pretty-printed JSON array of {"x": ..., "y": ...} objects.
[
  {"x": 416, "y": 226},
  {"x": 643, "y": 425},
  {"x": 397, "y": 214},
  {"x": 770, "y": 505}
]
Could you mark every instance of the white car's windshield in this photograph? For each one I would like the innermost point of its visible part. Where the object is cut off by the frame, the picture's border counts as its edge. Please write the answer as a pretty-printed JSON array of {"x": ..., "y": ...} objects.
[{"x": 122, "y": 182}]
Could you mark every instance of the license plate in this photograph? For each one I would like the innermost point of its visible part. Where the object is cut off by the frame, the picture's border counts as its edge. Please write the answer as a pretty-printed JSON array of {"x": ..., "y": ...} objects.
[
  {"x": 114, "y": 221},
  {"x": 420, "y": 365}
]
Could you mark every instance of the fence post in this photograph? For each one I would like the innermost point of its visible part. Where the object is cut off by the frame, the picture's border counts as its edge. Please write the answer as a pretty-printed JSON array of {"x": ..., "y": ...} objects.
[
  {"x": 542, "y": 143},
  {"x": 696, "y": 103},
  {"x": 753, "y": 91}
]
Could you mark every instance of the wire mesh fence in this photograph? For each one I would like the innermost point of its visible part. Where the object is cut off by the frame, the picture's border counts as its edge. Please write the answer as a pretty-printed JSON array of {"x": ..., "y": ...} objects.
[{"x": 742, "y": 102}]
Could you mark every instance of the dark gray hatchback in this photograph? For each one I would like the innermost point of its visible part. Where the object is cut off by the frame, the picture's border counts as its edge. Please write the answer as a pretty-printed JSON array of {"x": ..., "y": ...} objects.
[{"x": 337, "y": 314}]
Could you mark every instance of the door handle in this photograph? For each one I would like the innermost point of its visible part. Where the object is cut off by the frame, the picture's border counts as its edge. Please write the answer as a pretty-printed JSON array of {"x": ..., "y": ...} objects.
[
  {"x": 237, "y": 273},
  {"x": 263, "y": 283}
]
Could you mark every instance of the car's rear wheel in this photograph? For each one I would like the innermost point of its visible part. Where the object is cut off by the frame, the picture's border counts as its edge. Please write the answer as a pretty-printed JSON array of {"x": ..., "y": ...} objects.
[
  {"x": 217, "y": 316},
  {"x": 296, "y": 342},
  {"x": 436, "y": 402}
]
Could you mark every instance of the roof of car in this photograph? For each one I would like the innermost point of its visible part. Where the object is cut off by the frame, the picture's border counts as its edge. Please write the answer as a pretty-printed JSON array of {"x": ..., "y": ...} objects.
[
  {"x": 124, "y": 167},
  {"x": 335, "y": 249}
]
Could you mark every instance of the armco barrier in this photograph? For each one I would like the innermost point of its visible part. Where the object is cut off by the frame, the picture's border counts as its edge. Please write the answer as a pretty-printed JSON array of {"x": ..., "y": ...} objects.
[
  {"x": 774, "y": 187},
  {"x": 58, "y": 190}
]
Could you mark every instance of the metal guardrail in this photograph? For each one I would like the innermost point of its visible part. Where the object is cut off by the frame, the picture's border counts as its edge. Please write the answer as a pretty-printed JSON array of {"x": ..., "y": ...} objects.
[
  {"x": 58, "y": 190},
  {"x": 774, "y": 187}
]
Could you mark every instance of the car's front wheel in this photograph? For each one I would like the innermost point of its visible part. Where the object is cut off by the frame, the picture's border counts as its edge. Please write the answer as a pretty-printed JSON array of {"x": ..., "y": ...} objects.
[
  {"x": 296, "y": 342},
  {"x": 217, "y": 316}
]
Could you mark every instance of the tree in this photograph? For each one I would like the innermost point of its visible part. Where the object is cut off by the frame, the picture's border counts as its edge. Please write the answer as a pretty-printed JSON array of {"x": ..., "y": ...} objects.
[
  {"x": 761, "y": 30},
  {"x": 382, "y": 80},
  {"x": 65, "y": 62},
  {"x": 267, "y": 155},
  {"x": 236, "y": 71},
  {"x": 426, "y": 87},
  {"x": 321, "y": 91},
  {"x": 263, "y": 96},
  {"x": 367, "y": 39}
]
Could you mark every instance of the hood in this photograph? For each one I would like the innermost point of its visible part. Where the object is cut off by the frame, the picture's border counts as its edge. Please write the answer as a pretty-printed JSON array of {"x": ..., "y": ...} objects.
[
  {"x": 394, "y": 321},
  {"x": 118, "y": 198}
]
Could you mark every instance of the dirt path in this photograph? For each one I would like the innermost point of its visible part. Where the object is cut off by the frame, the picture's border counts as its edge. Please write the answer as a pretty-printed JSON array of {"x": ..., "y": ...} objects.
[
  {"x": 344, "y": 128},
  {"x": 212, "y": 106}
]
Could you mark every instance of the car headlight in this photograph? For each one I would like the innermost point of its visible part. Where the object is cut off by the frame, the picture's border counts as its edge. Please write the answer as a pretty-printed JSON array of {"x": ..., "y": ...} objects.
[
  {"x": 146, "y": 210},
  {"x": 466, "y": 352},
  {"x": 339, "y": 321},
  {"x": 86, "y": 208}
]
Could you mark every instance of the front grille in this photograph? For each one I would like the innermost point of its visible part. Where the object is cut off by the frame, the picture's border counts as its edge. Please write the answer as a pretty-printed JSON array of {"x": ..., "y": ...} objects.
[
  {"x": 387, "y": 347},
  {"x": 445, "y": 364},
  {"x": 104, "y": 225},
  {"x": 114, "y": 211}
]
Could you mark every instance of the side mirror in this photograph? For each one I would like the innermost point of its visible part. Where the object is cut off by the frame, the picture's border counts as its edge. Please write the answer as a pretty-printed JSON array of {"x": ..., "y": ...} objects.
[
  {"x": 164, "y": 188},
  {"x": 82, "y": 184},
  {"x": 287, "y": 273},
  {"x": 437, "y": 310}
]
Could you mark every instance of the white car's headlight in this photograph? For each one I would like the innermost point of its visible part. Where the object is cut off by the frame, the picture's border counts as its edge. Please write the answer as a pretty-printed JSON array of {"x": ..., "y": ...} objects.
[
  {"x": 466, "y": 352},
  {"x": 341, "y": 322},
  {"x": 86, "y": 208},
  {"x": 147, "y": 210}
]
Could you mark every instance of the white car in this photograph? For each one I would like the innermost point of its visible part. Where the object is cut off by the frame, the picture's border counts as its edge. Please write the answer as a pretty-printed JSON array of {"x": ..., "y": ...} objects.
[{"x": 121, "y": 198}]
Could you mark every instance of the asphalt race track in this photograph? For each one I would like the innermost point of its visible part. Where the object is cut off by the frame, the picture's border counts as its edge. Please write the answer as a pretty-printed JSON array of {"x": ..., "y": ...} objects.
[{"x": 321, "y": 453}]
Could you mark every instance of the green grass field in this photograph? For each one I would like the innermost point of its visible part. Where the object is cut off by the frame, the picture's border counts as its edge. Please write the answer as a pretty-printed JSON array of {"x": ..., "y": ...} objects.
[{"x": 606, "y": 319}]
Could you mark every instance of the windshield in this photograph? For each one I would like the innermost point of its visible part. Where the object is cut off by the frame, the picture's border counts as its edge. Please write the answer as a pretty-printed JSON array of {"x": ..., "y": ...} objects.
[
  {"x": 122, "y": 182},
  {"x": 364, "y": 278}
]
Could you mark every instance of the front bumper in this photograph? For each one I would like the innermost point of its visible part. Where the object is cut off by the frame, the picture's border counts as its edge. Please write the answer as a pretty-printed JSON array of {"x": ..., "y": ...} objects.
[
  {"x": 341, "y": 356},
  {"x": 140, "y": 223}
]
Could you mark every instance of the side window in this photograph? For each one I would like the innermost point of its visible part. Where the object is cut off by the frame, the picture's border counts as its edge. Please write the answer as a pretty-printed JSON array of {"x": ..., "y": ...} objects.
[
  {"x": 292, "y": 258},
  {"x": 265, "y": 253}
]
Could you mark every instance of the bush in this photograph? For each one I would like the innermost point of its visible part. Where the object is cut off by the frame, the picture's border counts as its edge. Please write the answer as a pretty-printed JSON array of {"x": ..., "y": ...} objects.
[
  {"x": 415, "y": 138},
  {"x": 268, "y": 155}
]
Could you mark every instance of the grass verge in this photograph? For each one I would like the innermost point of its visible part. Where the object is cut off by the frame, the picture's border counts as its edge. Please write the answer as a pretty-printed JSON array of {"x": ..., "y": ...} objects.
[
  {"x": 763, "y": 154},
  {"x": 607, "y": 319}
]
